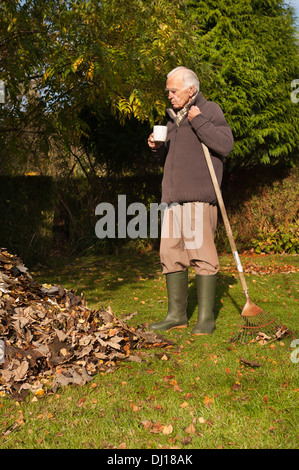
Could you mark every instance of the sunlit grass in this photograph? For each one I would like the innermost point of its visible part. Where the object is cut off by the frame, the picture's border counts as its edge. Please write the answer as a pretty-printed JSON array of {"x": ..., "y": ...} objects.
[{"x": 197, "y": 394}]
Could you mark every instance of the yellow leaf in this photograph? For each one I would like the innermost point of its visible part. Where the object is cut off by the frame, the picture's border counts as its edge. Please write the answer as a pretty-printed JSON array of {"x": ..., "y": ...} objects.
[
  {"x": 39, "y": 392},
  {"x": 184, "y": 405},
  {"x": 208, "y": 401},
  {"x": 77, "y": 63},
  {"x": 135, "y": 407},
  {"x": 168, "y": 429},
  {"x": 89, "y": 73}
]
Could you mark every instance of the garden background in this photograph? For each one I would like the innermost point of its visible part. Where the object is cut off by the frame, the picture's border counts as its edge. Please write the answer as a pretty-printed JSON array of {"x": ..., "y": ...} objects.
[{"x": 83, "y": 85}]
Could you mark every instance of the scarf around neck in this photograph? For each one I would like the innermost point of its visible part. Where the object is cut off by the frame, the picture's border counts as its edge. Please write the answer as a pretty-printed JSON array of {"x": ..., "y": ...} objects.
[{"x": 182, "y": 113}]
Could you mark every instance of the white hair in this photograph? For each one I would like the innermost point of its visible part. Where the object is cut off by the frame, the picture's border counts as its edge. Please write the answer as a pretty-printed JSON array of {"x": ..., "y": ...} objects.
[{"x": 189, "y": 77}]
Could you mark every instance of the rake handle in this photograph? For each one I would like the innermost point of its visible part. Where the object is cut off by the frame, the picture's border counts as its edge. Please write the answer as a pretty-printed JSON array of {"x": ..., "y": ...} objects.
[{"x": 225, "y": 218}]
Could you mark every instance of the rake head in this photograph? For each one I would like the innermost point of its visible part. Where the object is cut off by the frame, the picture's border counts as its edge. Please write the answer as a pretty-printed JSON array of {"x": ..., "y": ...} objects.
[{"x": 258, "y": 326}]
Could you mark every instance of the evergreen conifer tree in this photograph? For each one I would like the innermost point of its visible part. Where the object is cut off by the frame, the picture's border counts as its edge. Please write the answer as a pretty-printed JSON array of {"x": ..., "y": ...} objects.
[{"x": 252, "y": 49}]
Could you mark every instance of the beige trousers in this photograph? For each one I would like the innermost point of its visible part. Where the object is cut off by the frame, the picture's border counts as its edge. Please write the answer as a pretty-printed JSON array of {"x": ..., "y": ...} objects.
[{"x": 187, "y": 238}]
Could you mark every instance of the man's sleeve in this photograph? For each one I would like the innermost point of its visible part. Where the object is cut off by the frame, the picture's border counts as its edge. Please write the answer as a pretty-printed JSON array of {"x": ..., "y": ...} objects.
[{"x": 213, "y": 130}]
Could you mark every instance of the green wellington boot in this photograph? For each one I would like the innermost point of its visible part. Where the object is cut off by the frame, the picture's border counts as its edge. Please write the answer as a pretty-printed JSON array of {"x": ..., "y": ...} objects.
[
  {"x": 177, "y": 290},
  {"x": 206, "y": 291}
]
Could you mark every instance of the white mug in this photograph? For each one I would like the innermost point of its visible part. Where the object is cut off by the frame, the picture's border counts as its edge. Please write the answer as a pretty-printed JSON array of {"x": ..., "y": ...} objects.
[{"x": 160, "y": 133}]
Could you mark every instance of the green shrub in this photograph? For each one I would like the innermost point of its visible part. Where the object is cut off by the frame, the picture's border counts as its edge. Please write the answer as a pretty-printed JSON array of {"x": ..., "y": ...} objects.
[
  {"x": 263, "y": 212},
  {"x": 282, "y": 240}
]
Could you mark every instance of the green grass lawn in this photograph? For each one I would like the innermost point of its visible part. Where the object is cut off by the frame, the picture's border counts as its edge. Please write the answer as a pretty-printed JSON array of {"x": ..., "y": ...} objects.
[{"x": 197, "y": 394}]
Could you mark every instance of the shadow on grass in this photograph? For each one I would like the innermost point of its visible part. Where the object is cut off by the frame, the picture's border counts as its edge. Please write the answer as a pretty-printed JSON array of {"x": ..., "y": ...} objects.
[
  {"x": 87, "y": 272},
  {"x": 114, "y": 273}
]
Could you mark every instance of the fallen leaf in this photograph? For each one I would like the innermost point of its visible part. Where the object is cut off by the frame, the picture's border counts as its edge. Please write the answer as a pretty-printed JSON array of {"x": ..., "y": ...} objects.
[
  {"x": 81, "y": 401},
  {"x": 250, "y": 363},
  {"x": 208, "y": 401},
  {"x": 186, "y": 440},
  {"x": 136, "y": 408},
  {"x": 21, "y": 371},
  {"x": 190, "y": 429},
  {"x": 157, "y": 428},
  {"x": 184, "y": 405},
  {"x": 20, "y": 421},
  {"x": 168, "y": 429},
  {"x": 158, "y": 407},
  {"x": 236, "y": 385},
  {"x": 147, "y": 424},
  {"x": 265, "y": 399}
]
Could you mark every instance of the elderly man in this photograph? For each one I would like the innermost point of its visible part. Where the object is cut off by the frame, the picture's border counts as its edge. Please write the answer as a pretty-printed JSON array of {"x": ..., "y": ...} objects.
[{"x": 190, "y": 219}]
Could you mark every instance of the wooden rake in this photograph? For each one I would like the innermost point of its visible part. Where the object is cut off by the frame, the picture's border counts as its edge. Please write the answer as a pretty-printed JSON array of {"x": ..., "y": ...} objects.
[{"x": 257, "y": 324}]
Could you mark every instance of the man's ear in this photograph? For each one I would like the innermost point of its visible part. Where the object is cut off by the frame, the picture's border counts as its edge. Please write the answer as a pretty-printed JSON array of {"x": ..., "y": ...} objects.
[{"x": 191, "y": 90}]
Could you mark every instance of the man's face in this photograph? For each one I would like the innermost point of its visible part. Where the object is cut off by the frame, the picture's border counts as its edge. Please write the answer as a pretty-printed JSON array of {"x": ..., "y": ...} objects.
[{"x": 178, "y": 94}]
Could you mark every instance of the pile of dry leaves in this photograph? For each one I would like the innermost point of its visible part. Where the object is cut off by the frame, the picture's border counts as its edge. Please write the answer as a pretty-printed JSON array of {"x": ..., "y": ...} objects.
[{"x": 50, "y": 338}]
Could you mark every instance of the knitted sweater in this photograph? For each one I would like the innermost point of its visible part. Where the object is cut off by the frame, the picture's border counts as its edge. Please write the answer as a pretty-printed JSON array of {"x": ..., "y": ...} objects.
[{"x": 186, "y": 176}]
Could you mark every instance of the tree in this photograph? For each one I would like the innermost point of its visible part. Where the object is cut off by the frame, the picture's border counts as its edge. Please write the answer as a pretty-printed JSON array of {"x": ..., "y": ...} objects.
[
  {"x": 63, "y": 59},
  {"x": 251, "y": 44},
  {"x": 63, "y": 56}
]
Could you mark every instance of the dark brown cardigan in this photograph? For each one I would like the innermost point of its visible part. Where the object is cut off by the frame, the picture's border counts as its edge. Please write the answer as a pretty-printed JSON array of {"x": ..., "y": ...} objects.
[{"x": 186, "y": 176}]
